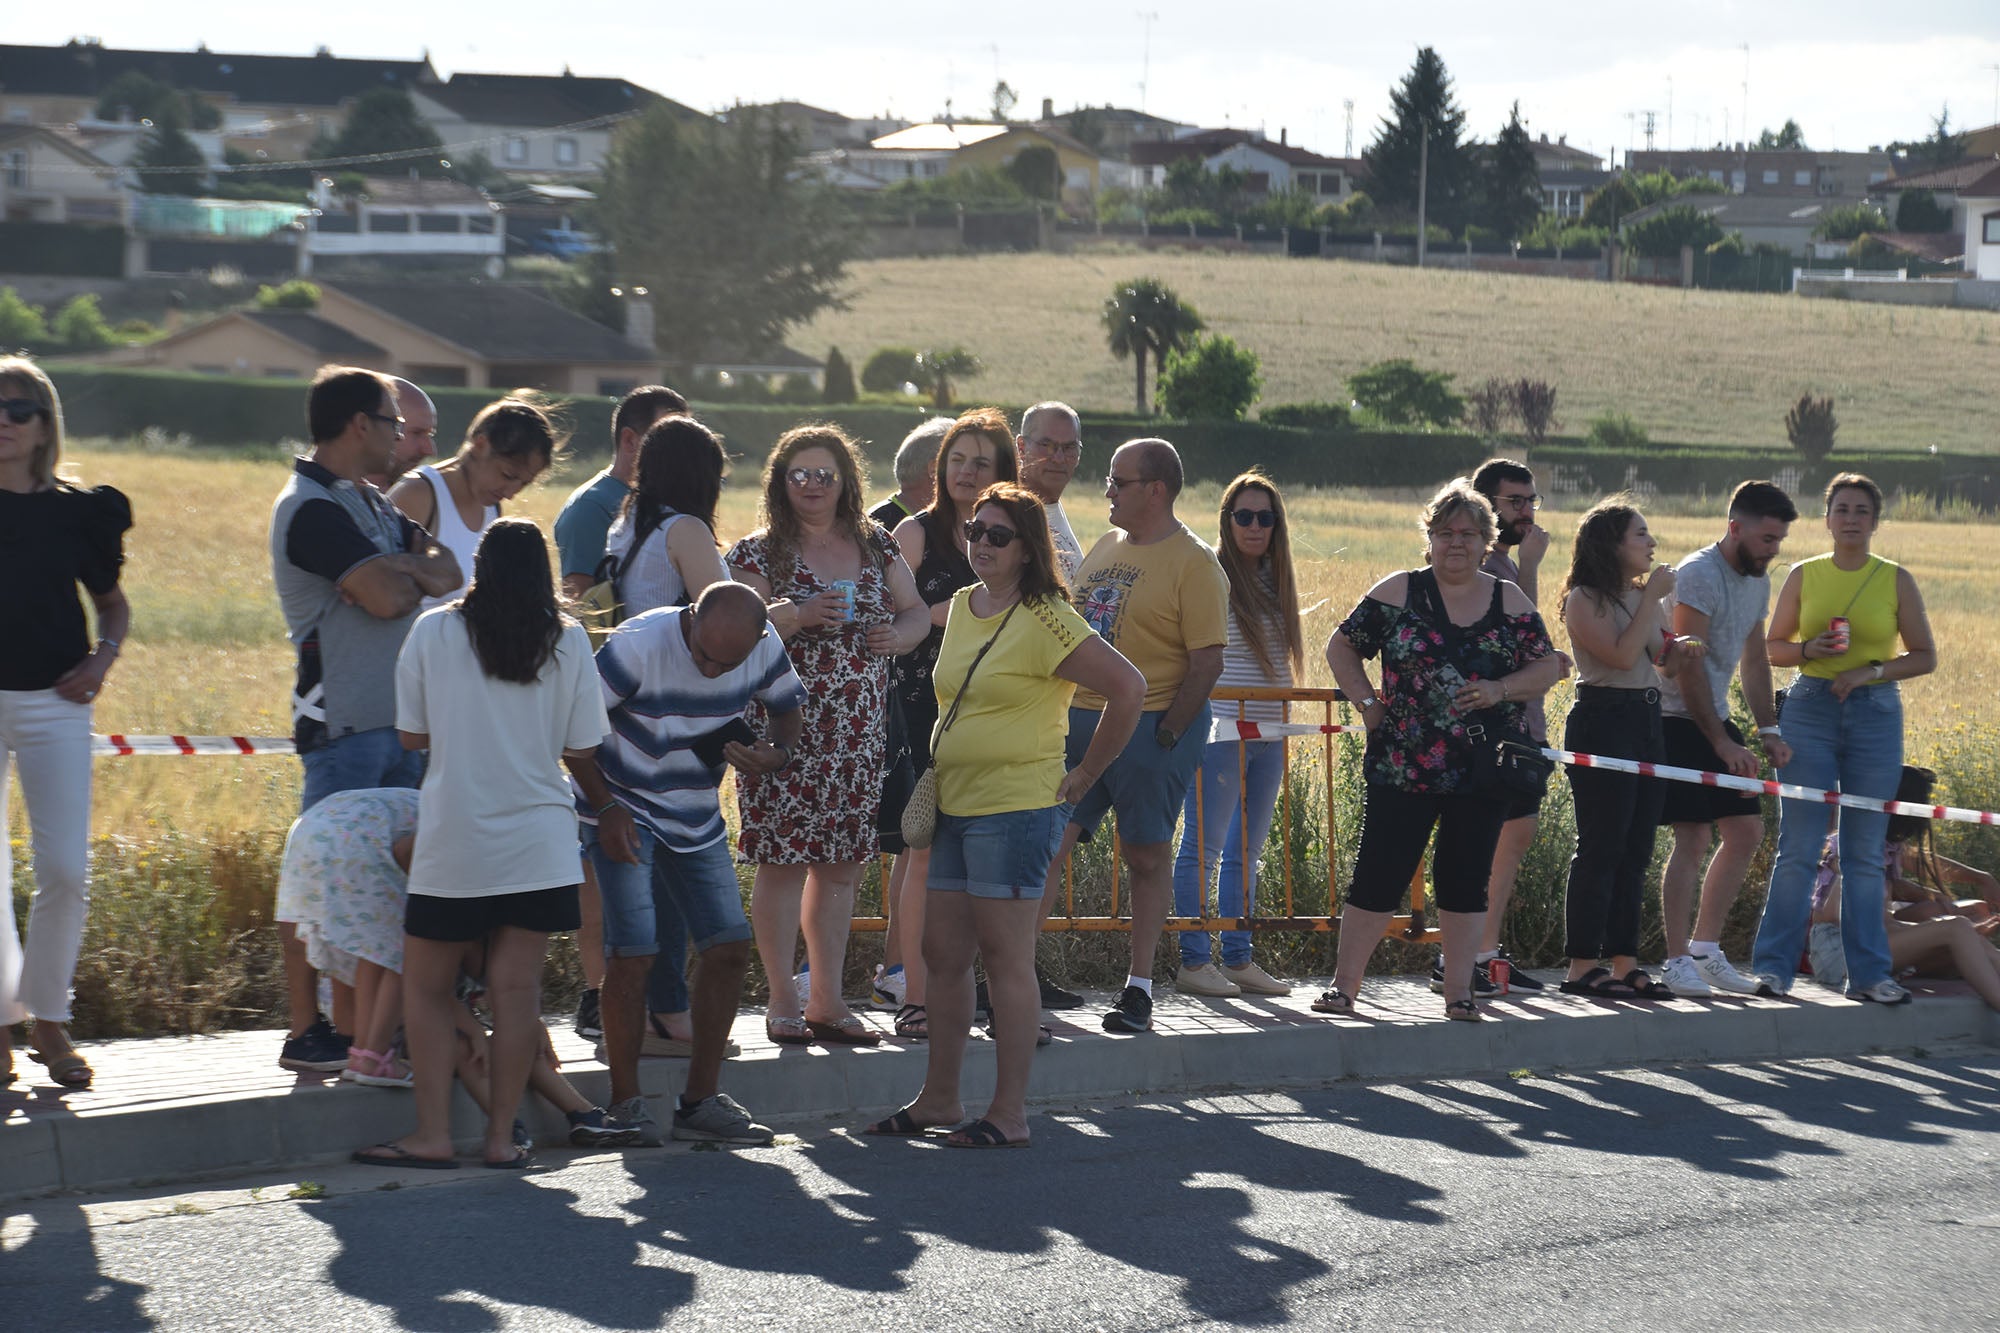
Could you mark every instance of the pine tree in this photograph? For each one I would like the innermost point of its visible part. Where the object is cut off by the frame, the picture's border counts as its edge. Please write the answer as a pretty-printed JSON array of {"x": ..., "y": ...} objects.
[
  {"x": 1511, "y": 193},
  {"x": 168, "y": 160},
  {"x": 385, "y": 120},
  {"x": 1423, "y": 107},
  {"x": 839, "y": 379}
]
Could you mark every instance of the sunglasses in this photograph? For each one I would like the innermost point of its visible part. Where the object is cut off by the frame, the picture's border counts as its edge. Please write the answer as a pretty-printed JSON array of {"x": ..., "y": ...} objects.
[
  {"x": 1263, "y": 518},
  {"x": 995, "y": 536},
  {"x": 819, "y": 476},
  {"x": 21, "y": 411}
]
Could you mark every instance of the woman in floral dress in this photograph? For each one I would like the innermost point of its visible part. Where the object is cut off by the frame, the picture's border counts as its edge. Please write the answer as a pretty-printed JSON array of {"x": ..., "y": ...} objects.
[
  {"x": 844, "y": 602},
  {"x": 1452, "y": 640}
]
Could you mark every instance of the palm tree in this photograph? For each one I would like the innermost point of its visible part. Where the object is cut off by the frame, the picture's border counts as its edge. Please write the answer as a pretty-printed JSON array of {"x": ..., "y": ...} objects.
[
  {"x": 1145, "y": 318},
  {"x": 938, "y": 367}
]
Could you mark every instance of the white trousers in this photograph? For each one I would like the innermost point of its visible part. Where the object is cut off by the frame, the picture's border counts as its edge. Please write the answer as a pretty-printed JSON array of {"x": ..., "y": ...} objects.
[{"x": 47, "y": 739}]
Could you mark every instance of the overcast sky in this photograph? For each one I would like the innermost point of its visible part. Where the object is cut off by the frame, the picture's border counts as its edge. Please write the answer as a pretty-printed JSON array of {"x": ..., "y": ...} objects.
[{"x": 1851, "y": 72}]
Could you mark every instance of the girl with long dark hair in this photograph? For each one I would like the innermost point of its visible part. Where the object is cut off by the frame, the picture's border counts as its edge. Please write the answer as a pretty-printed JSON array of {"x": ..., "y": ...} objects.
[
  {"x": 501, "y": 687},
  {"x": 664, "y": 540}
]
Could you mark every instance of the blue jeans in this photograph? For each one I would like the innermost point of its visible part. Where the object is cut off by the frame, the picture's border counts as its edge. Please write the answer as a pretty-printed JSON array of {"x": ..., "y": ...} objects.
[
  {"x": 1855, "y": 747},
  {"x": 1236, "y": 778},
  {"x": 361, "y": 759},
  {"x": 643, "y": 909}
]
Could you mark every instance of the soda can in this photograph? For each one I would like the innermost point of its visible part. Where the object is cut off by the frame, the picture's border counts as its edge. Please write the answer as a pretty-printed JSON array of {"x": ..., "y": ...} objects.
[
  {"x": 846, "y": 588},
  {"x": 1499, "y": 971},
  {"x": 1838, "y": 627}
]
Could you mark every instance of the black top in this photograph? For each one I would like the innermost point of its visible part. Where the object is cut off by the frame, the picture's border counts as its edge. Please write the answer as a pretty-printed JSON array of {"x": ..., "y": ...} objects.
[
  {"x": 942, "y": 572},
  {"x": 889, "y": 513},
  {"x": 50, "y": 541}
]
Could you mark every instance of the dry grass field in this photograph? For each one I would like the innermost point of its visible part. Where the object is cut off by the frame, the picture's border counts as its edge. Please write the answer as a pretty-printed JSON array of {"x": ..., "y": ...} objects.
[{"x": 1693, "y": 367}]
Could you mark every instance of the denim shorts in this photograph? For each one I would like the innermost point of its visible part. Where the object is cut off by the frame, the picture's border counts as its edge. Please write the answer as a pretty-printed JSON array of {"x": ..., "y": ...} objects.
[
  {"x": 1012, "y": 852},
  {"x": 362, "y": 759},
  {"x": 1145, "y": 785},
  {"x": 701, "y": 883}
]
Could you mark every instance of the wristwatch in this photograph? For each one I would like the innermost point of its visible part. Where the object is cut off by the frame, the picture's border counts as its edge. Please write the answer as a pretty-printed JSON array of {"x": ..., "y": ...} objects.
[
  {"x": 1165, "y": 737},
  {"x": 1877, "y": 666}
]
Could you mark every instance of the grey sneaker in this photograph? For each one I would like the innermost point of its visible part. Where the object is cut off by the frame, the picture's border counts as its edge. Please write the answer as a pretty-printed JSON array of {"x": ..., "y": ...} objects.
[
  {"x": 631, "y": 1116},
  {"x": 1882, "y": 992},
  {"x": 594, "y": 1129},
  {"x": 719, "y": 1119},
  {"x": 1772, "y": 986}
]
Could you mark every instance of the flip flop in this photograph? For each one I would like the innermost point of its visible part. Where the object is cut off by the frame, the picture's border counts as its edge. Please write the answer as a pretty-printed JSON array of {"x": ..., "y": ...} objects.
[
  {"x": 520, "y": 1161},
  {"x": 1463, "y": 1011},
  {"x": 982, "y": 1134},
  {"x": 1599, "y": 984},
  {"x": 393, "y": 1154},
  {"x": 1334, "y": 1002},
  {"x": 901, "y": 1125},
  {"x": 1645, "y": 987},
  {"x": 788, "y": 1031},
  {"x": 68, "y": 1070},
  {"x": 912, "y": 1023},
  {"x": 849, "y": 1031}
]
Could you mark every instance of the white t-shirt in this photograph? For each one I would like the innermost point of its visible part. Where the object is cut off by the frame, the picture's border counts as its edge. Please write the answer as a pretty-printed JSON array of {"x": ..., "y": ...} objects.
[
  {"x": 1068, "y": 553},
  {"x": 495, "y": 814}
]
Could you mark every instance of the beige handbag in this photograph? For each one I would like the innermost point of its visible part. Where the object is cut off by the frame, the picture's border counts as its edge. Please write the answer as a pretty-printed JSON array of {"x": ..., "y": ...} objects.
[{"x": 920, "y": 811}]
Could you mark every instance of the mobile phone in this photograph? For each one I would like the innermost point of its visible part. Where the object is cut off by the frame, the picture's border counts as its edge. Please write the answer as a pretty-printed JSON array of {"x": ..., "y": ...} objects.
[{"x": 707, "y": 747}]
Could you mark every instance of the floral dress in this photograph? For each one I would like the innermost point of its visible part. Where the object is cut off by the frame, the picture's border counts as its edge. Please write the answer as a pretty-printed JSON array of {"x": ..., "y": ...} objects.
[
  {"x": 821, "y": 808},
  {"x": 1421, "y": 745},
  {"x": 340, "y": 885}
]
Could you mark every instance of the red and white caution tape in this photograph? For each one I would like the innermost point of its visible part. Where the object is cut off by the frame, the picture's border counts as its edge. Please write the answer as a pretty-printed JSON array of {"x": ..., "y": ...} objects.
[
  {"x": 123, "y": 746},
  {"x": 1228, "y": 729}
]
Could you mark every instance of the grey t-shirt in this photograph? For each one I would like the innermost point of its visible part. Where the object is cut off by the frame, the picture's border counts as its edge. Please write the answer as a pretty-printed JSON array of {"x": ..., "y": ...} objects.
[
  {"x": 1502, "y": 566},
  {"x": 1733, "y": 602}
]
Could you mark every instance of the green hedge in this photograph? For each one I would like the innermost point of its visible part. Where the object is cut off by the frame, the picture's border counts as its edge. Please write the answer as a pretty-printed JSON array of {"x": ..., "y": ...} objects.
[
  {"x": 1687, "y": 470},
  {"x": 65, "y": 249}
]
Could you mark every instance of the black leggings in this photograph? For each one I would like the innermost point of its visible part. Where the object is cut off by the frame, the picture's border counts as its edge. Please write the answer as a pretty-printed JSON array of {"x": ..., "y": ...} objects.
[
  {"x": 1616, "y": 818},
  {"x": 1396, "y": 824}
]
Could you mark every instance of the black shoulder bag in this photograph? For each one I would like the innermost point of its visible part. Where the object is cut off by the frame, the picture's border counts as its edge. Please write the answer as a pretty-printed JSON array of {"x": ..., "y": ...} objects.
[{"x": 1508, "y": 764}]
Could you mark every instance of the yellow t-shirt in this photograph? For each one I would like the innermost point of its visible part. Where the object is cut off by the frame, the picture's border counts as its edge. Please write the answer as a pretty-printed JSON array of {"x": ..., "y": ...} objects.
[
  {"x": 1153, "y": 603},
  {"x": 1004, "y": 751},
  {"x": 1826, "y": 591}
]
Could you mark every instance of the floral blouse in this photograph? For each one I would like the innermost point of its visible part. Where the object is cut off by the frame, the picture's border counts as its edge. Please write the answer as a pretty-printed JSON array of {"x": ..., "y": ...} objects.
[{"x": 1421, "y": 745}]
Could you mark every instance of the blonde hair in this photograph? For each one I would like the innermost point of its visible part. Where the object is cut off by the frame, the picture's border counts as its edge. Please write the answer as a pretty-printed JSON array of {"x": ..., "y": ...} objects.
[{"x": 36, "y": 384}]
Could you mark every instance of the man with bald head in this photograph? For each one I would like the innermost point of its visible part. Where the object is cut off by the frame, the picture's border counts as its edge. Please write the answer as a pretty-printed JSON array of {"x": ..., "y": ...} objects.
[
  {"x": 419, "y": 438},
  {"x": 1050, "y": 448},
  {"x": 676, "y": 681},
  {"x": 1156, "y": 593}
]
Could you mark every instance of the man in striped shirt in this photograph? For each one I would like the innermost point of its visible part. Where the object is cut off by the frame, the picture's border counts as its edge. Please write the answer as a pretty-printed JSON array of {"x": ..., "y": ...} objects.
[{"x": 676, "y": 682}]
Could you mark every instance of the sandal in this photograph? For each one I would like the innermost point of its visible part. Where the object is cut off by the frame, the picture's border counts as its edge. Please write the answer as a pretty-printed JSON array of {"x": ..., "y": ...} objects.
[
  {"x": 981, "y": 1134},
  {"x": 660, "y": 1044},
  {"x": 1645, "y": 987},
  {"x": 376, "y": 1069},
  {"x": 913, "y": 1023},
  {"x": 1599, "y": 984},
  {"x": 1463, "y": 1011},
  {"x": 901, "y": 1125},
  {"x": 68, "y": 1069},
  {"x": 788, "y": 1031},
  {"x": 848, "y": 1031},
  {"x": 1334, "y": 1002},
  {"x": 395, "y": 1154}
]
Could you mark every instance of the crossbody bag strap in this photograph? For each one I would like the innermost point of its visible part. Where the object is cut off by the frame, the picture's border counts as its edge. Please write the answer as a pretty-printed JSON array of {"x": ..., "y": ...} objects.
[
  {"x": 1863, "y": 585},
  {"x": 959, "y": 698}
]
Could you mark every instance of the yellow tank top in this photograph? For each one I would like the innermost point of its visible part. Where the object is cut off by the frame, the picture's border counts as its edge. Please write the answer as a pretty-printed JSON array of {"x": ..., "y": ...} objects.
[{"x": 1866, "y": 596}]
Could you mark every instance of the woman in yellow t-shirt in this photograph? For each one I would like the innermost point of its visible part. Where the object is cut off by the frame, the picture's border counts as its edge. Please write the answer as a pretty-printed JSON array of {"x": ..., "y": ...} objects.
[
  {"x": 1014, "y": 652},
  {"x": 1838, "y": 619}
]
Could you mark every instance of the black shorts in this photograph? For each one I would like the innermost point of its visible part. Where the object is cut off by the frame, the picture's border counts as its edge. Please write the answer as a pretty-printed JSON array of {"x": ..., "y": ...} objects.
[
  {"x": 461, "y": 920},
  {"x": 1691, "y": 802}
]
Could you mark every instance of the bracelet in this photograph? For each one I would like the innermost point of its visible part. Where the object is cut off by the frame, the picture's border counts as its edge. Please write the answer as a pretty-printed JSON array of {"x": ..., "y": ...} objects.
[
  {"x": 1503, "y": 689},
  {"x": 607, "y": 807},
  {"x": 115, "y": 645},
  {"x": 1805, "y": 653}
]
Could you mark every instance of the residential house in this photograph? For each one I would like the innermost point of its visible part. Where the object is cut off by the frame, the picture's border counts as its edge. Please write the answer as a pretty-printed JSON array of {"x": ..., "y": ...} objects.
[
  {"x": 1760, "y": 219},
  {"x": 1111, "y": 130},
  {"x": 1982, "y": 143},
  {"x": 1569, "y": 176},
  {"x": 45, "y": 177},
  {"x": 1980, "y": 200},
  {"x": 276, "y": 105},
  {"x": 1272, "y": 166},
  {"x": 1785, "y": 172},
  {"x": 821, "y": 131},
  {"x": 936, "y": 149},
  {"x": 475, "y": 335},
  {"x": 402, "y": 218},
  {"x": 539, "y": 125},
  {"x": 1945, "y": 185}
]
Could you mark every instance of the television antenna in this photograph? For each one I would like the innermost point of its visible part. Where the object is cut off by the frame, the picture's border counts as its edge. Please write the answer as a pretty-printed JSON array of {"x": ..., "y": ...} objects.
[
  {"x": 1347, "y": 105},
  {"x": 1148, "y": 17}
]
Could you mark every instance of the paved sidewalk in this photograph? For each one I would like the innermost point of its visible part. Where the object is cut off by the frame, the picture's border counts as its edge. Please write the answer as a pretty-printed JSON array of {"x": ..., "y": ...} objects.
[{"x": 181, "y": 1108}]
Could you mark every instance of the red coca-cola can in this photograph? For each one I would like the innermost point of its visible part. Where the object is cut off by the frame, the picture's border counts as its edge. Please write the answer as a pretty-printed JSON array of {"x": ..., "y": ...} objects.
[
  {"x": 1838, "y": 628},
  {"x": 1499, "y": 971}
]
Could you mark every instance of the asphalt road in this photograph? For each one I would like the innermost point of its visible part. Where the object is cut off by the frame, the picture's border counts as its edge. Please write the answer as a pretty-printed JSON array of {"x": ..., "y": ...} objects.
[{"x": 1839, "y": 1194}]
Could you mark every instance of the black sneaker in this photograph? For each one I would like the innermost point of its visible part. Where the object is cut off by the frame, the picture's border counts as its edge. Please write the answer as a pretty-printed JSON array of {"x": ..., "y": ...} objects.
[
  {"x": 1482, "y": 985},
  {"x": 1132, "y": 1013},
  {"x": 589, "y": 1025},
  {"x": 1518, "y": 977},
  {"x": 1055, "y": 997},
  {"x": 319, "y": 1049},
  {"x": 982, "y": 1005}
]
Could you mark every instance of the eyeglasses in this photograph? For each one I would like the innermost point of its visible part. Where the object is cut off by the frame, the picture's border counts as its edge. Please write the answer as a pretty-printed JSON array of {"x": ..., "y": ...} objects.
[
  {"x": 1455, "y": 536},
  {"x": 1529, "y": 502},
  {"x": 1263, "y": 518},
  {"x": 21, "y": 411},
  {"x": 817, "y": 476},
  {"x": 995, "y": 536},
  {"x": 1074, "y": 449},
  {"x": 1120, "y": 483},
  {"x": 395, "y": 423}
]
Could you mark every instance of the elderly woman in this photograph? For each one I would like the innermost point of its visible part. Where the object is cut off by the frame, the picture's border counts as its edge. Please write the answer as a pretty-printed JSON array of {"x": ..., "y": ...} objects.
[
  {"x": 977, "y": 451},
  {"x": 1453, "y": 642},
  {"x": 507, "y": 446},
  {"x": 1838, "y": 619},
  {"x": 57, "y": 536},
  {"x": 844, "y": 602},
  {"x": 1014, "y": 652}
]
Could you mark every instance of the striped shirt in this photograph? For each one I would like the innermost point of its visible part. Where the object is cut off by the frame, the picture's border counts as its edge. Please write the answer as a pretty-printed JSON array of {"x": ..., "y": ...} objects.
[
  {"x": 660, "y": 704},
  {"x": 1242, "y": 670}
]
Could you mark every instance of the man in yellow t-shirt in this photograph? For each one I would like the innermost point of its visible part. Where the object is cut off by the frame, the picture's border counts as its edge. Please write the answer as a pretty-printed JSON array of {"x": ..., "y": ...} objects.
[{"x": 1155, "y": 592}]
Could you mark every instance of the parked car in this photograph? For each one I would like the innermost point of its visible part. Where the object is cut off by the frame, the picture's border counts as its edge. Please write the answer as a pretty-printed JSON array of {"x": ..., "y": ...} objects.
[{"x": 564, "y": 243}]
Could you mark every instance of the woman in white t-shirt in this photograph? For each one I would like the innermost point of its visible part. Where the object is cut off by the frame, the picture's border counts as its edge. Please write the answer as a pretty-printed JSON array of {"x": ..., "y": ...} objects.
[{"x": 501, "y": 688}]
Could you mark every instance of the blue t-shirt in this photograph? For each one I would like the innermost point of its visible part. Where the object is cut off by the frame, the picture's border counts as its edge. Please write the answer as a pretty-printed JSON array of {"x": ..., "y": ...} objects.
[{"x": 585, "y": 522}]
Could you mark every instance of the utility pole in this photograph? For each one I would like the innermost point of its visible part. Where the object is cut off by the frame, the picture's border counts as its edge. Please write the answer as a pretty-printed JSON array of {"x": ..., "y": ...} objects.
[
  {"x": 1148, "y": 17},
  {"x": 1746, "y": 92},
  {"x": 1423, "y": 188},
  {"x": 1670, "y": 113}
]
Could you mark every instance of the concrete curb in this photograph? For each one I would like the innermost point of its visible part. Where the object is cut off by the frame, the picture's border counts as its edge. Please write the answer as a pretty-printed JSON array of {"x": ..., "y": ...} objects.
[{"x": 46, "y": 1147}]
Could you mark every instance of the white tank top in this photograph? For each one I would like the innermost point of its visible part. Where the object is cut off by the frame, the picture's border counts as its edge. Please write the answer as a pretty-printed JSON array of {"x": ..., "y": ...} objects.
[
  {"x": 649, "y": 578},
  {"x": 450, "y": 532}
]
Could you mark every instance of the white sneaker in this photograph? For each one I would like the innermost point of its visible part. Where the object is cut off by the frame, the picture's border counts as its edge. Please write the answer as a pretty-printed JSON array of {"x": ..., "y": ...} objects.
[
  {"x": 1721, "y": 974},
  {"x": 1206, "y": 980},
  {"x": 888, "y": 990},
  {"x": 1684, "y": 978}
]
